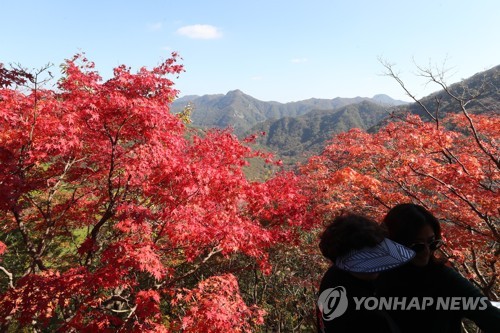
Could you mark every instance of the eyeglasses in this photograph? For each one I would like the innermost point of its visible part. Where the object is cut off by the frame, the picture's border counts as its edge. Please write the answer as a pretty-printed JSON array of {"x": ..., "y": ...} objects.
[{"x": 434, "y": 245}]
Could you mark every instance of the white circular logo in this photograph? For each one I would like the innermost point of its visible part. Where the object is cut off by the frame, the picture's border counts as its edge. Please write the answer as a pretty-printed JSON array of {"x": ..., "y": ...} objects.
[{"x": 332, "y": 302}]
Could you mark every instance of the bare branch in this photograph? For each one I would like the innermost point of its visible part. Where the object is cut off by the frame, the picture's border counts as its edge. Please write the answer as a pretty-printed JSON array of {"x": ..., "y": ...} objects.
[
  {"x": 464, "y": 199},
  {"x": 463, "y": 101},
  {"x": 390, "y": 72},
  {"x": 196, "y": 267},
  {"x": 9, "y": 275}
]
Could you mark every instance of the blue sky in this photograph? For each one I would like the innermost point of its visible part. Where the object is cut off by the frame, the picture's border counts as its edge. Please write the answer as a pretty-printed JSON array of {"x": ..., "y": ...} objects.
[{"x": 279, "y": 50}]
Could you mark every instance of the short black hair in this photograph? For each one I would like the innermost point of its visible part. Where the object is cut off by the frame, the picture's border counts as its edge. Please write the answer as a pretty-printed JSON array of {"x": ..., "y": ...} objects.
[
  {"x": 349, "y": 232},
  {"x": 404, "y": 221}
]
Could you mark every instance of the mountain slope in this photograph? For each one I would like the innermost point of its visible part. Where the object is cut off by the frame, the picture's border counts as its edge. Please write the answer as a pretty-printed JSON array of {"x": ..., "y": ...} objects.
[
  {"x": 485, "y": 86},
  {"x": 241, "y": 111},
  {"x": 298, "y": 129},
  {"x": 295, "y": 138}
]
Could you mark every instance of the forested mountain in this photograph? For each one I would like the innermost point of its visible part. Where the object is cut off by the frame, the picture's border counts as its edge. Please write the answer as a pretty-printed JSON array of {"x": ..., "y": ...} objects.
[
  {"x": 242, "y": 112},
  {"x": 480, "y": 93},
  {"x": 482, "y": 89},
  {"x": 111, "y": 208},
  {"x": 294, "y": 138},
  {"x": 296, "y": 130}
]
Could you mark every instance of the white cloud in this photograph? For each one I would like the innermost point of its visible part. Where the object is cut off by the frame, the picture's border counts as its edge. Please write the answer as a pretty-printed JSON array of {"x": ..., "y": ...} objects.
[
  {"x": 256, "y": 78},
  {"x": 200, "y": 31},
  {"x": 298, "y": 60},
  {"x": 155, "y": 26}
]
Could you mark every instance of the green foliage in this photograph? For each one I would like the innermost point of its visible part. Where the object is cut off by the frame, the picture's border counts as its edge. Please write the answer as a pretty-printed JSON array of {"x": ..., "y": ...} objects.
[
  {"x": 297, "y": 138},
  {"x": 242, "y": 112}
]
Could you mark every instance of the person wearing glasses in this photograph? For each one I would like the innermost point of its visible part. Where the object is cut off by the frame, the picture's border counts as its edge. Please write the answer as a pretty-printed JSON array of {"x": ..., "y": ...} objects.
[{"x": 441, "y": 296}]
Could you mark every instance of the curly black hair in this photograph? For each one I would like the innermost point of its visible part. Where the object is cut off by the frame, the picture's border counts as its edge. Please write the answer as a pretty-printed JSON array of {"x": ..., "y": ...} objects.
[{"x": 349, "y": 232}]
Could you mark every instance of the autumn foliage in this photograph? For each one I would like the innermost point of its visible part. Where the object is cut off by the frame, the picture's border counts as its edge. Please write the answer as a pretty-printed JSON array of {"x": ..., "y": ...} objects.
[
  {"x": 117, "y": 216},
  {"x": 450, "y": 166}
]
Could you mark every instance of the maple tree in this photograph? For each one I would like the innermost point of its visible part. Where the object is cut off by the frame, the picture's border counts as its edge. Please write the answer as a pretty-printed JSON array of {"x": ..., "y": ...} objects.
[
  {"x": 117, "y": 216},
  {"x": 449, "y": 163}
]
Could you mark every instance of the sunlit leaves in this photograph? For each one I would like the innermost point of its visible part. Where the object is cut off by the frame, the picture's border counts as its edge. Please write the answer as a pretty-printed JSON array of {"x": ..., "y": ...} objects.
[
  {"x": 440, "y": 166},
  {"x": 117, "y": 204}
]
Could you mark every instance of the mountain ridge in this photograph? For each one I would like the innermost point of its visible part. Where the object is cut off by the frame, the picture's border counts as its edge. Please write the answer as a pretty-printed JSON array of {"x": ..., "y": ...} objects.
[
  {"x": 242, "y": 111},
  {"x": 296, "y": 138},
  {"x": 295, "y": 130}
]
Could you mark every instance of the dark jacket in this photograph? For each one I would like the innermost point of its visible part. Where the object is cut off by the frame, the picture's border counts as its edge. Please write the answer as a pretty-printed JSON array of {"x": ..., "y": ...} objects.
[
  {"x": 443, "y": 285},
  {"x": 353, "y": 321}
]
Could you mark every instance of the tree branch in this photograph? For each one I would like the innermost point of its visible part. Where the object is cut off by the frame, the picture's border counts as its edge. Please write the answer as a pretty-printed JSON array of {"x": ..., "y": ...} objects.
[
  {"x": 9, "y": 275},
  {"x": 453, "y": 190},
  {"x": 390, "y": 72}
]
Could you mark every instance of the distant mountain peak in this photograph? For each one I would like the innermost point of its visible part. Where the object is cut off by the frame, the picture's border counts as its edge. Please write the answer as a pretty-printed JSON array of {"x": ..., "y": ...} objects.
[
  {"x": 187, "y": 98},
  {"x": 377, "y": 96},
  {"x": 386, "y": 99},
  {"x": 236, "y": 92}
]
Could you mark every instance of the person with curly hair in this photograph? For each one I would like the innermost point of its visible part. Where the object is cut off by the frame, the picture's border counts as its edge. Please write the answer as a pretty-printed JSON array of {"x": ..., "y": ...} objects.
[{"x": 359, "y": 251}]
